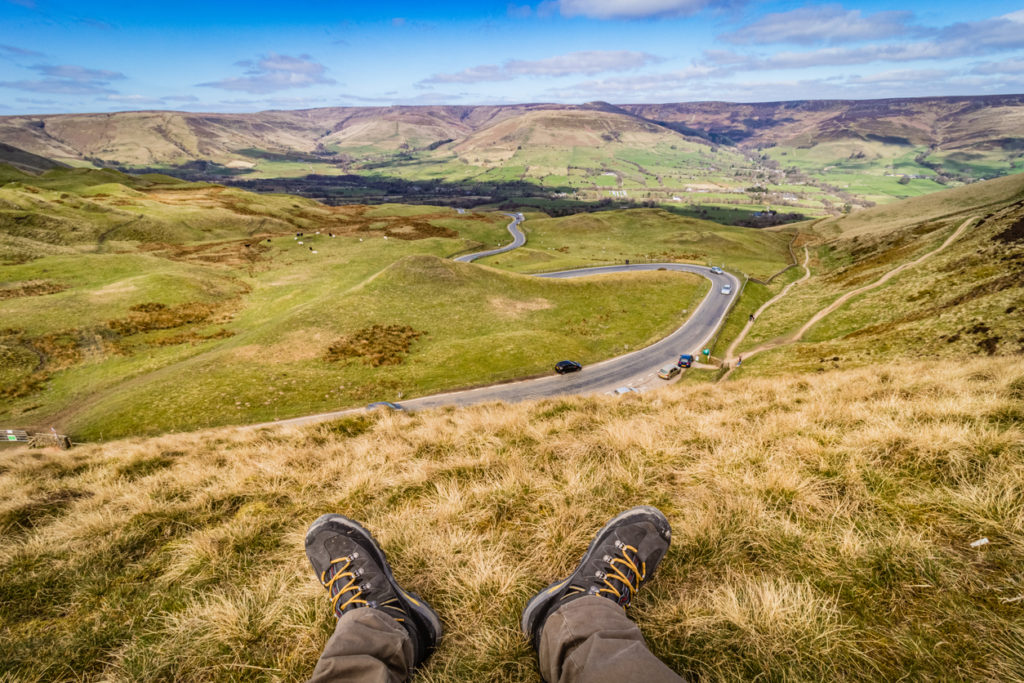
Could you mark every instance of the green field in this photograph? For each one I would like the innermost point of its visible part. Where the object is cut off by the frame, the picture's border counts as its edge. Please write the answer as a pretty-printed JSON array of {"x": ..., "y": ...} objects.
[
  {"x": 123, "y": 320},
  {"x": 643, "y": 235}
]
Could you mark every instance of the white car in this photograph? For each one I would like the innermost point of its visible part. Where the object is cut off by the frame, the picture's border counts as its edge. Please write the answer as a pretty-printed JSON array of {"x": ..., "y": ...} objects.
[
  {"x": 716, "y": 270},
  {"x": 726, "y": 289}
]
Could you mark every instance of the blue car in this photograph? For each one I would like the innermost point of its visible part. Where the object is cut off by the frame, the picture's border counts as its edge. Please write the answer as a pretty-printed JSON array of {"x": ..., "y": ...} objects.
[{"x": 384, "y": 404}]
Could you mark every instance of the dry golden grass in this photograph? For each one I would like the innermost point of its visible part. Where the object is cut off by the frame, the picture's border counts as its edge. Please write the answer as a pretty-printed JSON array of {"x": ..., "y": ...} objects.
[{"x": 822, "y": 530}]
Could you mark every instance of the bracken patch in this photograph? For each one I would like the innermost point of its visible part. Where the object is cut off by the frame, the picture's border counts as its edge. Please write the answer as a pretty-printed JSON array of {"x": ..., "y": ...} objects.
[
  {"x": 376, "y": 345},
  {"x": 30, "y": 288},
  {"x": 155, "y": 316}
]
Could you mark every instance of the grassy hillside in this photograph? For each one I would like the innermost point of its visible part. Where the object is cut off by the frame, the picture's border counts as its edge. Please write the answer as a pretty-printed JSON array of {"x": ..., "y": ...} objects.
[
  {"x": 643, "y": 234},
  {"x": 963, "y": 302},
  {"x": 853, "y": 144},
  {"x": 807, "y": 157},
  {"x": 822, "y": 530},
  {"x": 140, "y": 305},
  {"x": 25, "y": 161}
]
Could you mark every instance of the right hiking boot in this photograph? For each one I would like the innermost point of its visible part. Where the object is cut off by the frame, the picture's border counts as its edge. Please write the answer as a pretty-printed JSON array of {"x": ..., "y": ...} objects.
[
  {"x": 622, "y": 557},
  {"x": 351, "y": 566}
]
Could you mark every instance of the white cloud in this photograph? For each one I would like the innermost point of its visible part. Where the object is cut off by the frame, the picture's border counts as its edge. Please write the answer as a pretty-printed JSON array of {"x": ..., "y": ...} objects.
[
  {"x": 634, "y": 9},
  {"x": 1006, "y": 66},
  {"x": 822, "y": 24},
  {"x": 15, "y": 51},
  {"x": 67, "y": 79},
  {"x": 474, "y": 74},
  {"x": 72, "y": 72},
  {"x": 622, "y": 86},
  {"x": 132, "y": 99},
  {"x": 951, "y": 42},
  {"x": 586, "y": 63},
  {"x": 519, "y": 11},
  {"x": 899, "y": 77},
  {"x": 275, "y": 72}
]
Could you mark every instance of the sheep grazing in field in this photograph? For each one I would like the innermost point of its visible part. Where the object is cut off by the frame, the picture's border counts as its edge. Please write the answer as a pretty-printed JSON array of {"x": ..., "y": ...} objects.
[{"x": 300, "y": 241}]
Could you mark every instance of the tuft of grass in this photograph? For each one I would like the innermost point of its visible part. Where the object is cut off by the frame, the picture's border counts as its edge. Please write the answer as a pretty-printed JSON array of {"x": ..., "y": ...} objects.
[{"x": 822, "y": 529}]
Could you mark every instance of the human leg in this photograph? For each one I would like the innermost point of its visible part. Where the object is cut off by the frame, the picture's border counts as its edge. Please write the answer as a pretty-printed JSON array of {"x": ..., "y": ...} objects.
[
  {"x": 383, "y": 631},
  {"x": 578, "y": 625}
]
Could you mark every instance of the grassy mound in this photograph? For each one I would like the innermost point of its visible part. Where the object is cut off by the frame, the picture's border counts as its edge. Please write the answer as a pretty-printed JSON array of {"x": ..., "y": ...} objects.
[
  {"x": 644, "y": 234},
  {"x": 822, "y": 529}
]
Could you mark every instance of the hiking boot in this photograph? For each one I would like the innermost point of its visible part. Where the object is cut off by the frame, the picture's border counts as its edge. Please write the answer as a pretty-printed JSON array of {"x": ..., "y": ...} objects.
[
  {"x": 352, "y": 567},
  {"x": 622, "y": 557}
]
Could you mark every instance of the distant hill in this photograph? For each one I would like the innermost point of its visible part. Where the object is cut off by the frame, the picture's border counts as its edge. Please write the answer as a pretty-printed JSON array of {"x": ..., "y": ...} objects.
[
  {"x": 817, "y": 157},
  {"x": 146, "y": 137},
  {"x": 948, "y": 123},
  {"x": 26, "y": 161}
]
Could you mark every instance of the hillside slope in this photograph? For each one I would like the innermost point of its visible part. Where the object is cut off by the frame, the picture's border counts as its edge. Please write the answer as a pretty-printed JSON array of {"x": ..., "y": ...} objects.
[
  {"x": 962, "y": 302},
  {"x": 822, "y": 530},
  {"x": 25, "y": 161},
  {"x": 949, "y": 123},
  {"x": 116, "y": 287},
  {"x": 815, "y": 157}
]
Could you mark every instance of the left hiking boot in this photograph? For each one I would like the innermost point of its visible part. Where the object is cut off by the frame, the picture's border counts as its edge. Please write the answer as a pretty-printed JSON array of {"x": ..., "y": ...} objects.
[
  {"x": 351, "y": 566},
  {"x": 622, "y": 557}
]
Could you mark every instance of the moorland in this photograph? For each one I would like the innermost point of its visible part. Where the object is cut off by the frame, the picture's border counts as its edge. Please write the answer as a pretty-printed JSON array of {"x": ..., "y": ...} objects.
[
  {"x": 715, "y": 160},
  {"x": 848, "y": 504}
]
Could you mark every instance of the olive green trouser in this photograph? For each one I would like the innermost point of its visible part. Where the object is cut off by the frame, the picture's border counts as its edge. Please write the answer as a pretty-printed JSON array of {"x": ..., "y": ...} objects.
[{"x": 589, "y": 640}]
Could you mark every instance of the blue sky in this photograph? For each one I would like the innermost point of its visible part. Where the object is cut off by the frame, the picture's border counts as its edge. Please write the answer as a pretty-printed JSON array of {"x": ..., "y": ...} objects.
[{"x": 229, "y": 56}]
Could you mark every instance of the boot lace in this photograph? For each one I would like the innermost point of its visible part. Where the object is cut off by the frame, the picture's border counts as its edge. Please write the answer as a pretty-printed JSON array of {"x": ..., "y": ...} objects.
[
  {"x": 623, "y": 577},
  {"x": 342, "y": 577}
]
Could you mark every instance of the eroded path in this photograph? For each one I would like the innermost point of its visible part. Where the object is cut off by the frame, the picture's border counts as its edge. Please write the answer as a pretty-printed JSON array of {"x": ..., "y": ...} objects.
[
  {"x": 817, "y": 317},
  {"x": 750, "y": 323}
]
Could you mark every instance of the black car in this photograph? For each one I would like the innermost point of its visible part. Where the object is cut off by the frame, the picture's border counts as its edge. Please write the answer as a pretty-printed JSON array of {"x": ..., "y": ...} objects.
[{"x": 564, "y": 366}]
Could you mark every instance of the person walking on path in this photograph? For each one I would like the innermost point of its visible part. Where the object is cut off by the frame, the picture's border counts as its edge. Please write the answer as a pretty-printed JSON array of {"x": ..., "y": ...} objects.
[{"x": 577, "y": 625}]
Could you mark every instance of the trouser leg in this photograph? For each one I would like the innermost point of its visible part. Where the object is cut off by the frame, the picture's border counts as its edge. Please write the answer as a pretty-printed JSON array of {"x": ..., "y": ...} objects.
[
  {"x": 591, "y": 640},
  {"x": 367, "y": 646}
]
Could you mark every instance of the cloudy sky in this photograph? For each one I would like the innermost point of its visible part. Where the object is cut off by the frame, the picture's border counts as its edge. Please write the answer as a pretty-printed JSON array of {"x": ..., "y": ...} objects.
[{"x": 62, "y": 56}]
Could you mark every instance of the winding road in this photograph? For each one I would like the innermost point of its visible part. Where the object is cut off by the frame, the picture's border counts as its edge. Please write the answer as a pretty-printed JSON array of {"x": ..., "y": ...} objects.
[
  {"x": 518, "y": 240},
  {"x": 595, "y": 378}
]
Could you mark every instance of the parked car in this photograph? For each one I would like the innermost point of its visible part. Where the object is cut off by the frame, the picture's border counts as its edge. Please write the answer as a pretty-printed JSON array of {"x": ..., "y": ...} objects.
[
  {"x": 564, "y": 366},
  {"x": 716, "y": 270},
  {"x": 385, "y": 404},
  {"x": 669, "y": 371},
  {"x": 726, "y": 289},
  {"x": 685, "y": 360}
]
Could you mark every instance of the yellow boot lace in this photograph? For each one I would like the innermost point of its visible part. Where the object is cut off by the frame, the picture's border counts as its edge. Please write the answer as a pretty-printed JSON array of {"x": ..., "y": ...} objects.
[
  {"x": 332, "y": 581},
  {"x": 625, "y": 571}
]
